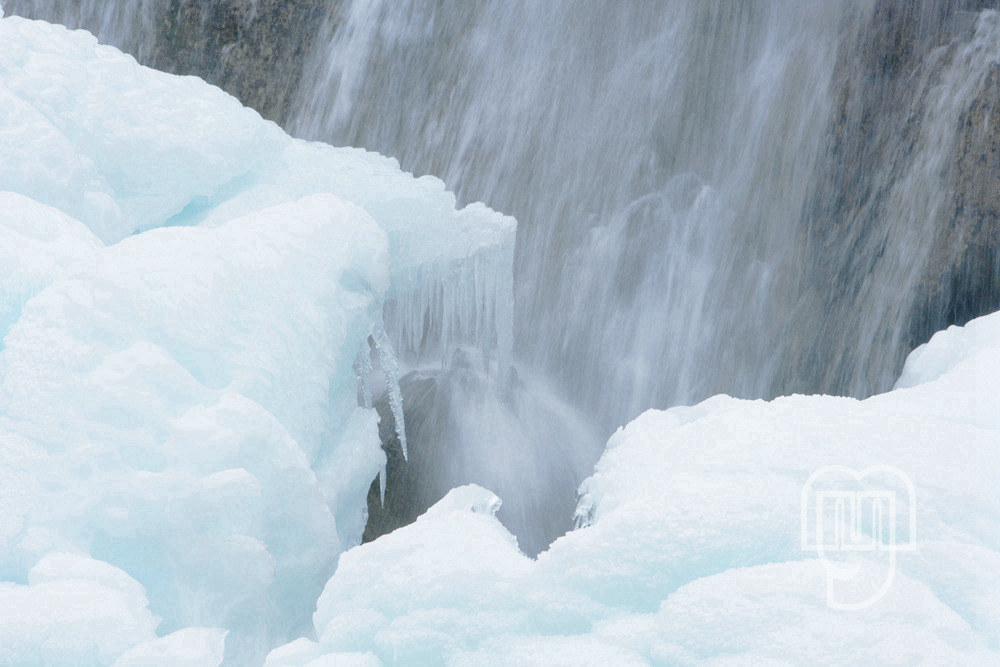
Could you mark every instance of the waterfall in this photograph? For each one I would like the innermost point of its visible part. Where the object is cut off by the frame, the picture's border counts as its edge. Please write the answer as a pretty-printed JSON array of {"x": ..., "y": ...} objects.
[
  {"x": 753, "y": 198},
  {"x": 670, "y": 167}
]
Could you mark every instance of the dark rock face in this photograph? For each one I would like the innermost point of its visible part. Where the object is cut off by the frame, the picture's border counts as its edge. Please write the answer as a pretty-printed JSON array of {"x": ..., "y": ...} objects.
[
  {"x": 965, "y": 282},
  {"x": 861, "y": 237},
  {"x": 405, "y": 497},
  {"x": 252, "y": 49}
]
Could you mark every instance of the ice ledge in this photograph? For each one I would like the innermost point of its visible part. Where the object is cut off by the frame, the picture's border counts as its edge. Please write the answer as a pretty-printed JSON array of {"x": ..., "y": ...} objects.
[
  {"x": 123, "y": 149},
  {"x": 186, "y": 395}
]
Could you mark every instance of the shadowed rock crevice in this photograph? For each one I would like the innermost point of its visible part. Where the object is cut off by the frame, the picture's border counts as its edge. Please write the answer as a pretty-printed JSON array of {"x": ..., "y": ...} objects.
[
  {"x": 463, "y": 430},
  {"x": 405, "y": 497}
]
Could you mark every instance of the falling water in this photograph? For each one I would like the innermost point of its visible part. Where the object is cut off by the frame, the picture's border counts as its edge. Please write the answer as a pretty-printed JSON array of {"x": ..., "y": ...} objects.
[
  {"x": 752, "y": 198},
  {"x": 669, "y": 166}
]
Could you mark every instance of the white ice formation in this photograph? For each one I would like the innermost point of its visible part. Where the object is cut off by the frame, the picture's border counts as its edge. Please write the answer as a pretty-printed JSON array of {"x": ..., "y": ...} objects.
[{"x": 183, "y": 292}]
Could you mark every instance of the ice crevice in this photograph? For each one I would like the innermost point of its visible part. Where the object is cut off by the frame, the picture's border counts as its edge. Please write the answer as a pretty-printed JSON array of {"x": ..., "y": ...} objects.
[{"x": 390, "y": 370}]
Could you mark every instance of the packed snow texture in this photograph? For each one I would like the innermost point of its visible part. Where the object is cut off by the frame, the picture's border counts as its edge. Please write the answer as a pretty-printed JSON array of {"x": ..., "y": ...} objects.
[
  {"x": 691, "y": 550},
  {"x": 37, "y": 243},
  {"x": 79, "y": 611},
  {"x": 183, "y": 292}
]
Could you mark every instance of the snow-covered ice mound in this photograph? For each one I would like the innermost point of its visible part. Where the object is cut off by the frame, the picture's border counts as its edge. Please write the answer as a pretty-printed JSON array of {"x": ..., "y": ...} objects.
[
  {"x": 692, "y": 549},
  {"x": 79, "y": 611},
  {"x": 184, "y": 290},
  {"x": 37, "y": 242}
]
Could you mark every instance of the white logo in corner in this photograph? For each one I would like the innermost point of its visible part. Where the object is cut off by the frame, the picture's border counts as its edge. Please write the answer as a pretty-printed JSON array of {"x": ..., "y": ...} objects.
[{"x": 857, "y": 522}]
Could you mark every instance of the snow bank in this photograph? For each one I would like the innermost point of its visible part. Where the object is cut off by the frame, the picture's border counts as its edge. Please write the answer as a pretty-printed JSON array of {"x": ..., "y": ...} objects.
[
  {"x": 79, "y": 611},
  {"x": 37, "y": 243},
  {"x": 182, "y": 384},
  {"x": 181, "y": 405},
  {"x": 692, "y": 547}
]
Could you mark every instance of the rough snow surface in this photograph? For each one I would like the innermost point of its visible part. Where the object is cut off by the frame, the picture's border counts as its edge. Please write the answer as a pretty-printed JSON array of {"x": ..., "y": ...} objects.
[
  {"x": 37, "y": 243},
  {"x": 183, "y": 292},
  {"x": 691, "y": 548},
  {"x": 115, "y": 145},
  {"x": 123, "y": 148},
  {"x": 179, "y": 421},
  {"x": 79, "y": 611}
]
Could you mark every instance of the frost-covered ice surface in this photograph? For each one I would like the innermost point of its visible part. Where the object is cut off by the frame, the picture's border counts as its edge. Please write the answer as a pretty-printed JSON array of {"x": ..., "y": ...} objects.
[
  {"x": 79, "y": 611},
  {"x": 183, "y": 292},
  {"x": 691, "y": 548},
  {"x": 37, "y": 243}
]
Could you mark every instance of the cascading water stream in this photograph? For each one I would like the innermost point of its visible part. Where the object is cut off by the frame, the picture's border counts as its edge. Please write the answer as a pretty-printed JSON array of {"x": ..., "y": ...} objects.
[
  {"x": 665, "y": 163},
  {"x": 753, "y": 198}
]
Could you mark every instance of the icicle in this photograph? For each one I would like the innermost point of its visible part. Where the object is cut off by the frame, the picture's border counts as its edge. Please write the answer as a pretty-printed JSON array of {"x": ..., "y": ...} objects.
[
  {"x": 363, "y": 369},
  {"x": 467, "y": 301},
  {"x": 584, "y": 514},
  {"x": 390, "y": 368},
  {"x": 381, "y": 485}
]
